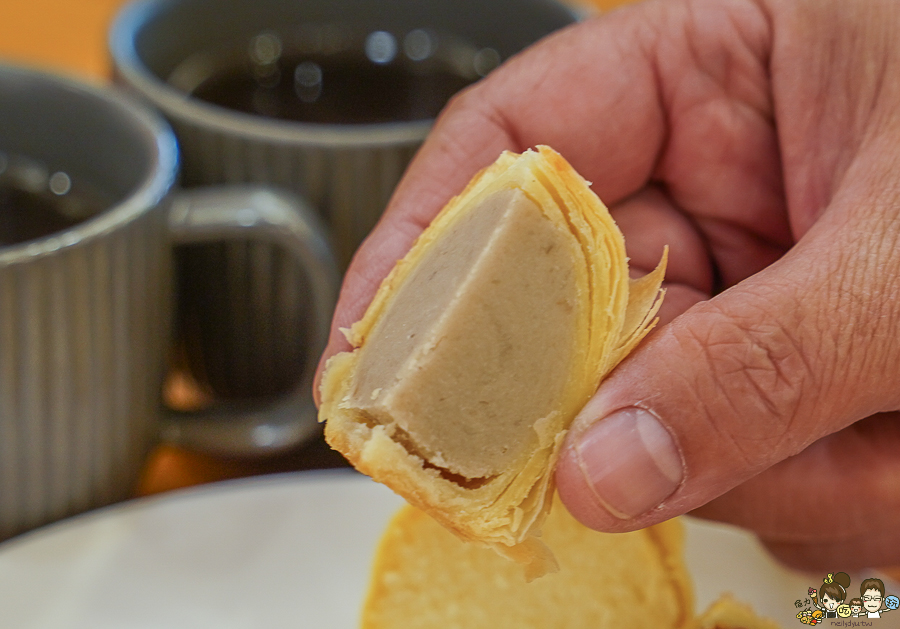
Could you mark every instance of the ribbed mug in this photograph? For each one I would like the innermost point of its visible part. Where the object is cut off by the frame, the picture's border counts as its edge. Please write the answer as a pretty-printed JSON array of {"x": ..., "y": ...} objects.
[{"x": 86, "y": 311}]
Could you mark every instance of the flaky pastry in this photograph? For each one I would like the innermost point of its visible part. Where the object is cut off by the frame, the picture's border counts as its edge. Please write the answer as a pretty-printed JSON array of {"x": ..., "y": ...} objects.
[
  {"x": 424, "y": 577},
  {"x": 481, "y": 346}
]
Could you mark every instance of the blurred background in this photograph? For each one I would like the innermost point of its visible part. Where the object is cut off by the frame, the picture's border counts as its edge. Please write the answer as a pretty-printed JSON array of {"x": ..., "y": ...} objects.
[{"x": 69, "y": 36}]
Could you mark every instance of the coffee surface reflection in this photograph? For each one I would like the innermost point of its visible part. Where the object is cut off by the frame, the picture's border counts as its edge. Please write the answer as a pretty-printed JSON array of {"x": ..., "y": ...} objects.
[
  {"x": 36, "y": 200},
  {"x": 330, "y": 74}
]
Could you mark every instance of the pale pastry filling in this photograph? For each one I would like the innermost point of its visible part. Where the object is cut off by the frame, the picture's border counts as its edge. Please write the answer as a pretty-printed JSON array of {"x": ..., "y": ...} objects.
[{"x": 474, "y": 349}]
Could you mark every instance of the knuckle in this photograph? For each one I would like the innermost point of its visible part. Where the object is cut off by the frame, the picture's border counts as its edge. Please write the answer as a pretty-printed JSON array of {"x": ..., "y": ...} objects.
[
  {"x": 754, "y": 381},
  {"x": 862, "y": 317}
]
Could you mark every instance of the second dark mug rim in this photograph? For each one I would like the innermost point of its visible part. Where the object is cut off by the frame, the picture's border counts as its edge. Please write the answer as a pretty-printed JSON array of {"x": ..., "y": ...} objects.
[
  {"x": 129, "y": 65},
  {"x": 179, "y": 105},
  {"x": 153, "y": 186}
]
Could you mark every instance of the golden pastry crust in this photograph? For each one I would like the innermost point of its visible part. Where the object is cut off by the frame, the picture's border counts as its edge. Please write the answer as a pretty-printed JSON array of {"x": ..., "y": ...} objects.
[
  {"x": 424, "y": 577},
  {"x": 613, "y": 313},
  {"x": 729, "y": 613}
]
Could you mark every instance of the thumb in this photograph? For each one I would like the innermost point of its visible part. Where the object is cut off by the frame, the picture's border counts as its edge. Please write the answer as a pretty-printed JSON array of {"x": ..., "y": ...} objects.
[{"x": 737, "y": 384}]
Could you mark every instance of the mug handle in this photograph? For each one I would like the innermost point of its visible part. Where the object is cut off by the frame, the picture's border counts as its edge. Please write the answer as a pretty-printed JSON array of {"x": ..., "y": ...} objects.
[{"x": 220, "y": 213}]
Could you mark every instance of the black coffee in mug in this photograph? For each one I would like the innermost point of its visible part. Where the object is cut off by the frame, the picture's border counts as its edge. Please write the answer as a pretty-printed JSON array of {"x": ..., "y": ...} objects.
[
  {"x": 329, "y": 74},
  {"x": 36, "y": 201}
]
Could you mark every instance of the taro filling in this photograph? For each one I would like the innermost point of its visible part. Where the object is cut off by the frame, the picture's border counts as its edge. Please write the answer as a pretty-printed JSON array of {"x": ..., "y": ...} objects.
[{"x": 475, "y": 347}]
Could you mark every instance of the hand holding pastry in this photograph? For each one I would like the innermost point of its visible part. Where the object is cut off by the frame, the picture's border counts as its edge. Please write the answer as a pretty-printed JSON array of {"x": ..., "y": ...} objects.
[
  {"x": 757, "y": 138},
  {"x": 482, "y": 344}
]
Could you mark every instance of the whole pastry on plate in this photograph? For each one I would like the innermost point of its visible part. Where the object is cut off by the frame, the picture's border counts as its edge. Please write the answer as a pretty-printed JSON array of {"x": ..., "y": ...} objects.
[
  {"x": 481, "y": 346},
  {"x": 425, "y": 578}
]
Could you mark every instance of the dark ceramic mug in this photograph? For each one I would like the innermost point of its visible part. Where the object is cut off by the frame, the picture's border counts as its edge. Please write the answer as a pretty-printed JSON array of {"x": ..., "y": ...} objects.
[{"x": 89, "y": 218}]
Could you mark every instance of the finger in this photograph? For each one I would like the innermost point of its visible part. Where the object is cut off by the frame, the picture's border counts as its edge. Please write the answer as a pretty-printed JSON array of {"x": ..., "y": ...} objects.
[
  {"x": 679, "y": 299},
  {"x": 721, "y": 162},
  {"x": 839, "y": 488},
  {"x": 741, "y": 382},
  {"x": 650, "y": 222},
  {"x": 798, "y": 351},
  {"x": 878, "y": 548}
]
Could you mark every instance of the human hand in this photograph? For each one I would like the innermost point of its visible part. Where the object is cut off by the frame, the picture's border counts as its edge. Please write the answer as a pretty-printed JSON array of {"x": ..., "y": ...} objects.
[{"x": 760, "y": 140}]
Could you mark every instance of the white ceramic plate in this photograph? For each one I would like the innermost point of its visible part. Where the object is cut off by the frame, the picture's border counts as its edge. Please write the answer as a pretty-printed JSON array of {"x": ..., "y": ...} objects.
[{"x": 291, "y": 550}]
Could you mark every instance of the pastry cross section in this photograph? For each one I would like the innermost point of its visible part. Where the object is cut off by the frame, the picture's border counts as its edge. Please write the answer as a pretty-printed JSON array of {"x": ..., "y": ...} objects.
[{"x": 475, "y": 347}]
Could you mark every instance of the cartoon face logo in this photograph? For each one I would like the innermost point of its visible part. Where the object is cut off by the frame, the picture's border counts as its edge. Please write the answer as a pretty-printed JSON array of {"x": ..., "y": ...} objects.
[
  {"x": 872, "y": 600},
  {"x": 829, "y": 600}
]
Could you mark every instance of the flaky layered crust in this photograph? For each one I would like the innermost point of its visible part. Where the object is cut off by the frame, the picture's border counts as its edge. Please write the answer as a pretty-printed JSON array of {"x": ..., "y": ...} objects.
[
  {"x": 637, "y": 580},
  {"x": 613, "y": 314}
]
